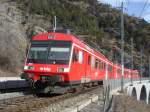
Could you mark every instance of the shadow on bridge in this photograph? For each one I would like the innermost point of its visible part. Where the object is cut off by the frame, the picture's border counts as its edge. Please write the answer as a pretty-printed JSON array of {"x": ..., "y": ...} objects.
[
  {"x": 143, "y": 94},
  {"x": 134, "y": 94}
]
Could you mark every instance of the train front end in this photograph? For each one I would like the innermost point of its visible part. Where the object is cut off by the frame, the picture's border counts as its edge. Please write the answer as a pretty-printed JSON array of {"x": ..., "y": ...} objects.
[{"x": 47, "y": 64}]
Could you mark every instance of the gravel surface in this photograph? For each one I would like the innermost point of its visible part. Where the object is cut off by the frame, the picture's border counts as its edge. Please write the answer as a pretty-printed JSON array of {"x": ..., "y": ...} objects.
[
  {"x": 71, "y": 102},
  {"x": 123, "y": 103},
  {"x": 94, "y": 107},
  {"x": 50, "y": 103},
  {"x": 11, "y": 95}
]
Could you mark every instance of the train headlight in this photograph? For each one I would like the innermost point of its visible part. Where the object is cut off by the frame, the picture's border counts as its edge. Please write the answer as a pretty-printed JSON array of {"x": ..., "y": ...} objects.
[
  {"x": 60, "y": 70},
  {"x": 28, "y": 68},
  {"x": 63, "y": 70}
]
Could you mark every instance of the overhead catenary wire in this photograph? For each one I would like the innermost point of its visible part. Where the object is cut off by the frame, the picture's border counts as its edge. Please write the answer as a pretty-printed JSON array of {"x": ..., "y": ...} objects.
[
  {"x": 118, "y": 3},
  {"x": 128, "y": 3},
  {"x": 145, "y": 4},
  {"x": 148, "y": 6}
]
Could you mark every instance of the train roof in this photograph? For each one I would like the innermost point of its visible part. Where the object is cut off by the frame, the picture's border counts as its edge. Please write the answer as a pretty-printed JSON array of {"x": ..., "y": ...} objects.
[{"x": 53, "y": 36}]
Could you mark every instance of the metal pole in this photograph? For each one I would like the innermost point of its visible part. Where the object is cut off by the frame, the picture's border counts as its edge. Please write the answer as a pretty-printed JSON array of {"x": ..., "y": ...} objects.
[
  {"x": 54, "y": 24},
  {"x": 149, "y": 67},
  {"x": 141, "y": 67},
  {"x": 122, "y": 48},
  {"x": 132, "y": 66}
]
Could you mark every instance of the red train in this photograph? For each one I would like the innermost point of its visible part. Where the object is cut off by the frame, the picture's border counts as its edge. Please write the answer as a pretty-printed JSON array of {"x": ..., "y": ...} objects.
[{"x": 56, "y": 62}]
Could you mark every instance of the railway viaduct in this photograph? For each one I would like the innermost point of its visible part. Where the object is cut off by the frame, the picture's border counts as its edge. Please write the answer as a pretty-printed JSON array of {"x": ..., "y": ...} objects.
[{"x": 140, "y": 90}]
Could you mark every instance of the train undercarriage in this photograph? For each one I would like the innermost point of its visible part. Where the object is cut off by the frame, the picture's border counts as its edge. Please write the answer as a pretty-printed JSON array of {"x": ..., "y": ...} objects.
[{"x": 53, "y": 85}]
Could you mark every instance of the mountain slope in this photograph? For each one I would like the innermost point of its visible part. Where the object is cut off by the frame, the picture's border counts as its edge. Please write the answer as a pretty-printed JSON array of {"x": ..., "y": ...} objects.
[{"x": 99, "y": 23}]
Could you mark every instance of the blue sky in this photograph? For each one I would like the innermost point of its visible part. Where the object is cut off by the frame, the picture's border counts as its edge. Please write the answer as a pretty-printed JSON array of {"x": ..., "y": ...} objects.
[{"x": 132, "y": 7}]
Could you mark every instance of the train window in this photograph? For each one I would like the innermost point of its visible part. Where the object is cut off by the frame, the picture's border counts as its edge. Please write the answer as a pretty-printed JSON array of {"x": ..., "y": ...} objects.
[
  {"x": 110, "y": 68},
  {"x": 89, "y": 60},
  {"x": 93, "y": 62},
  {"x": 37, "y": 54},
  {"x": 96, "y": 64},
  {"x": 80, "y": 57},
  {"x": 104, "y": 65},
  {"x": 119, "y": 71},
  {"x": 99, "y": 65},
  {"x": 58, "y": 52},
  {"x": 75, "y": 55}
]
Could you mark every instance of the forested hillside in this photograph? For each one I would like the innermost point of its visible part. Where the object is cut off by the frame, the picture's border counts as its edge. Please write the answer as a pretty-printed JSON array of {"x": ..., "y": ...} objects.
[{"x": 99, "y": 23}]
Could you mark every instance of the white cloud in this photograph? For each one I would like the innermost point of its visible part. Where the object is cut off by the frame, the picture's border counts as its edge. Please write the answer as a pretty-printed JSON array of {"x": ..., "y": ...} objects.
[{"x": 147, "y": 17}]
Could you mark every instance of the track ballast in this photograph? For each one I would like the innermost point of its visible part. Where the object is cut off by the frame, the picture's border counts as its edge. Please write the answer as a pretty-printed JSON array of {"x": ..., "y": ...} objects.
[{"x": 31, "y": 103}]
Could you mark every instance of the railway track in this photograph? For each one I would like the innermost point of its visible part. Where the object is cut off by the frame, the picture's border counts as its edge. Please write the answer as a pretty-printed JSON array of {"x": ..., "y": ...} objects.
[{"x": 31, "y": 103}]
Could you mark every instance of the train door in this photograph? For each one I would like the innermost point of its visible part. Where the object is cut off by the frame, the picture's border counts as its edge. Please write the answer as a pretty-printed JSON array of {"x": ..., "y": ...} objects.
[
  {"x": 77, "y": 66},
  {"x": 87, "y": 67}
]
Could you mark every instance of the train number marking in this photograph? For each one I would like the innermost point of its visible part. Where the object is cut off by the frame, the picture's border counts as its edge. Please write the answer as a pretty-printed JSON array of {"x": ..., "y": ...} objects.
[{"x": 45, "y": 69}]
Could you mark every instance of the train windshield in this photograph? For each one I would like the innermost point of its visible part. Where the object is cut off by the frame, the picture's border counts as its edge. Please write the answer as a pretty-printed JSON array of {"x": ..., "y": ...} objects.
[
  {"x": 37, "y": 55},
  {"x": 52, "y": 52}
]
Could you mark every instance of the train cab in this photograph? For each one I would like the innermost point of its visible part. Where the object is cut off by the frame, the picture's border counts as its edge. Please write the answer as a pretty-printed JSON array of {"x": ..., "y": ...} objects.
[{"x": 58, "y": 59}]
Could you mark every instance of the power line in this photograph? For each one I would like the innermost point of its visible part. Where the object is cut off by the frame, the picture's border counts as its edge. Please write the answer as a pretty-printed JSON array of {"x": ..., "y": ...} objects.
[
  {"x": 145, "y": 4},
  {"x": 128, "y": 3},
  {"x": 148, "y": 6},
  {"x": 116, "y": 3}
]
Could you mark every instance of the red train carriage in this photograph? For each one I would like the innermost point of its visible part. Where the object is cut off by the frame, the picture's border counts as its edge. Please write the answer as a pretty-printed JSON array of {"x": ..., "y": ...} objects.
[{"x": 56, "y": 62}]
